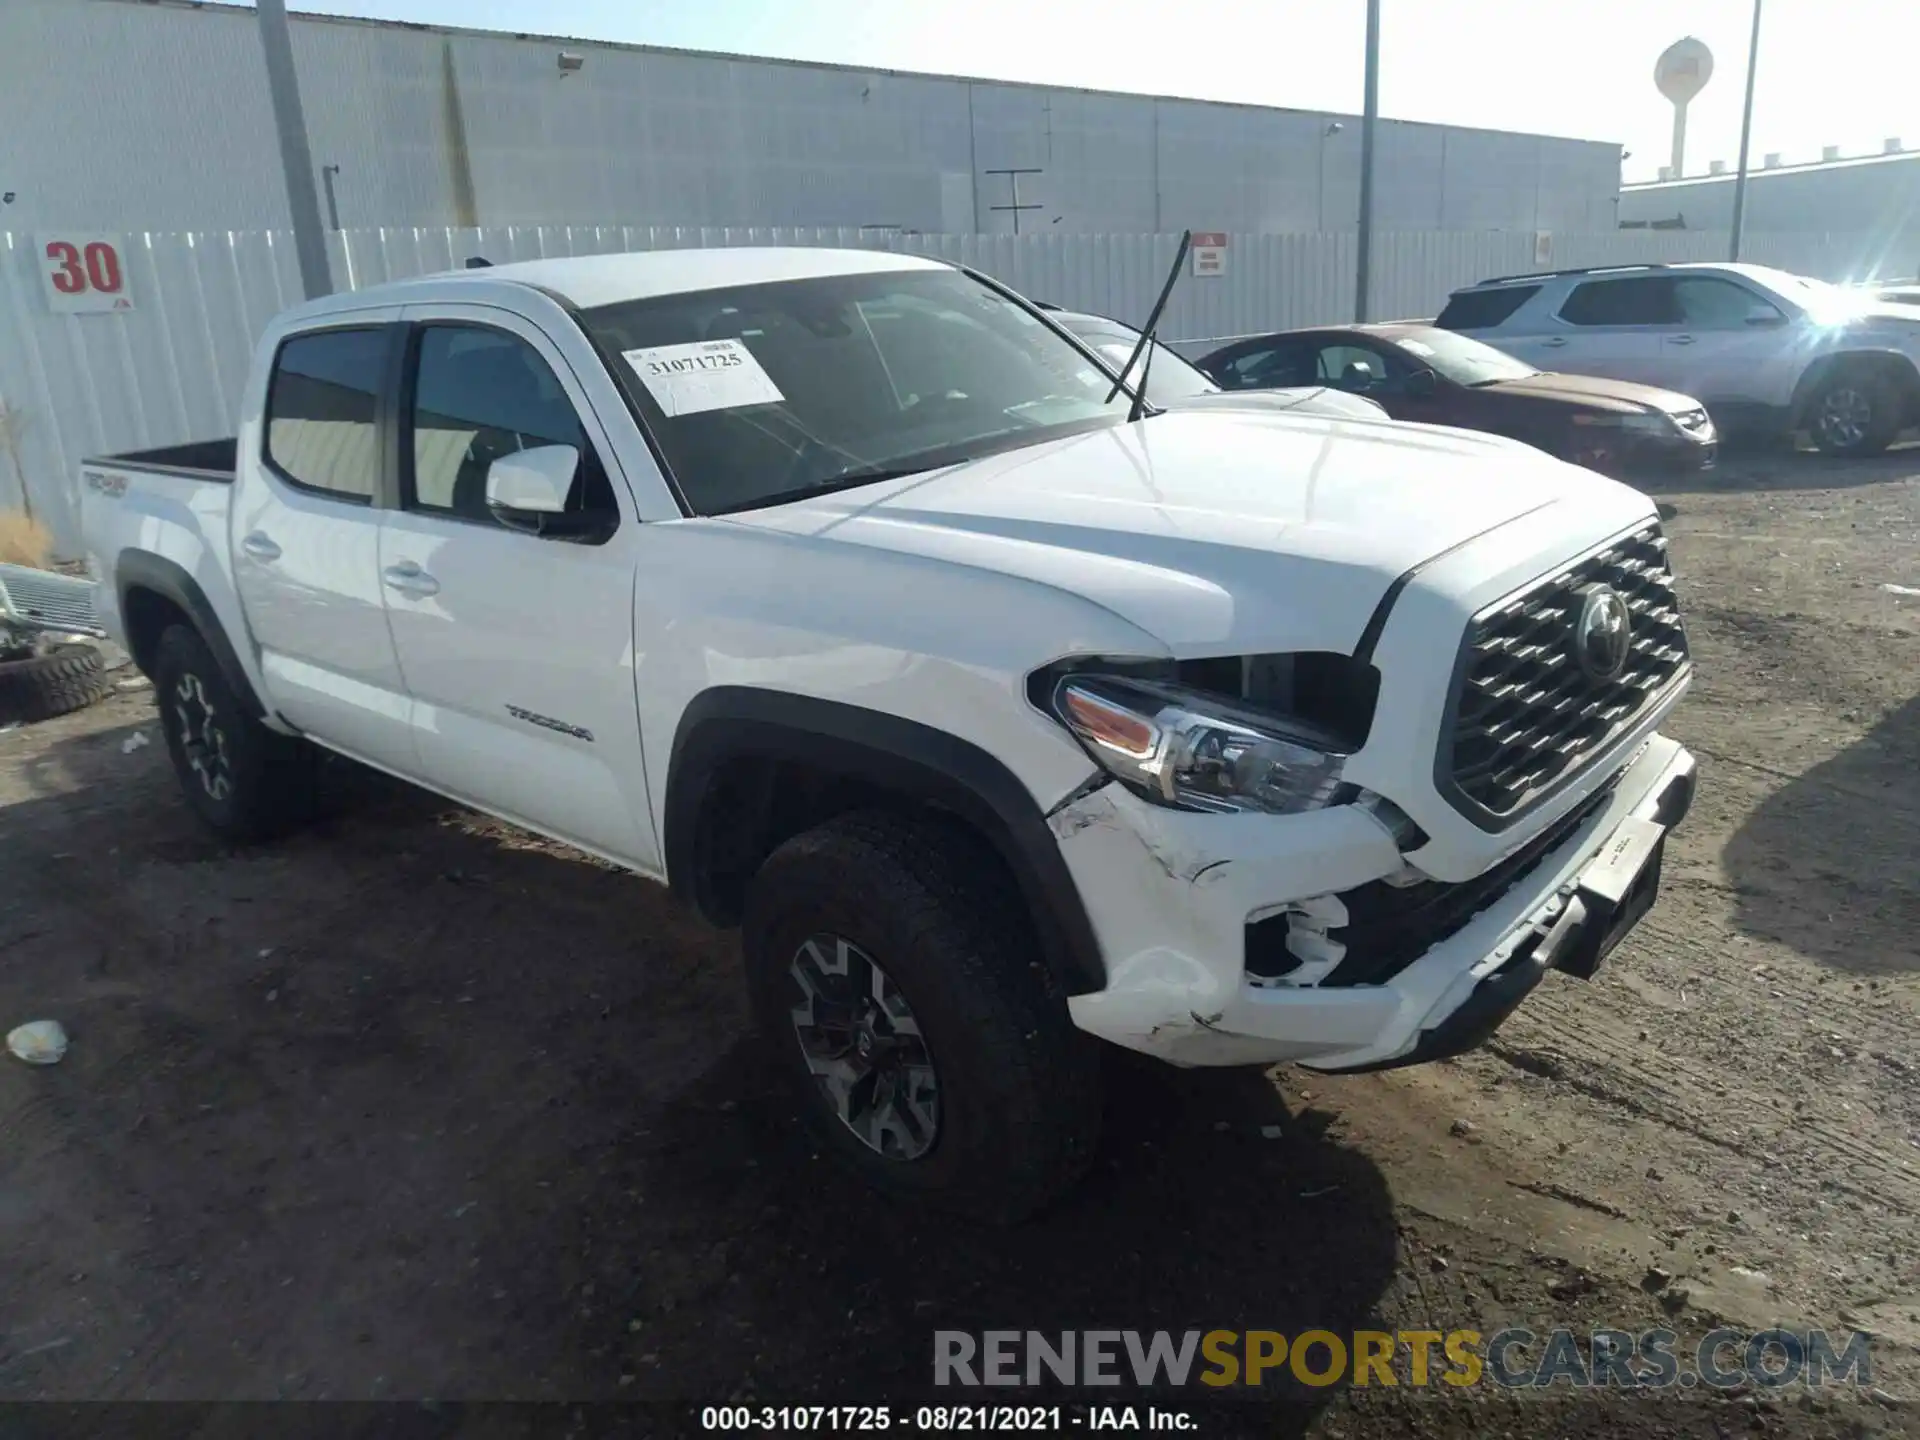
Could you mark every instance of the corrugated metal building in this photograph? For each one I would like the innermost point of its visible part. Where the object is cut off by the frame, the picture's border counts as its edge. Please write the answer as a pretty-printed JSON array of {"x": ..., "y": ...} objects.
[
  {"x": 153, "y": 115},
  {"x": 1869, "y": 206}
]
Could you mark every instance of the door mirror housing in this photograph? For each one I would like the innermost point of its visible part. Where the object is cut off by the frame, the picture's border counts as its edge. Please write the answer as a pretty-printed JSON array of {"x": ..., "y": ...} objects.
[
  {"x": 528, "y": 491},
  {"x": 1422, "y": 382},
  {"x": 1764, "y": 315},
  {"x": 533, "y": 482}
]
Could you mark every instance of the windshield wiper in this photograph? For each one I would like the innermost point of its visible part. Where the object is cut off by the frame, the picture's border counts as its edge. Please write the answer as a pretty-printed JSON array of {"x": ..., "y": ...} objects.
[
  {"x": 1145, "y": 342},
  {"x": 846, "y": 481}
]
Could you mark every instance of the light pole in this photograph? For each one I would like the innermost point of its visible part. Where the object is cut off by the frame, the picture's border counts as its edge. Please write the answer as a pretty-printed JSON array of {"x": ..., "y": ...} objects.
[
  {"x": 1746, "y": 134},
  {"x": 1334, "y": 127},
  {"x": 283, "y": 84},
  {"x": 1367, "y": 124}
]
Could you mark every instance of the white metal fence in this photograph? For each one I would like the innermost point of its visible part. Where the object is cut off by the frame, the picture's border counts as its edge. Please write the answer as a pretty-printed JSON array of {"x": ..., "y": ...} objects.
[{"x": 170, "y": 368}]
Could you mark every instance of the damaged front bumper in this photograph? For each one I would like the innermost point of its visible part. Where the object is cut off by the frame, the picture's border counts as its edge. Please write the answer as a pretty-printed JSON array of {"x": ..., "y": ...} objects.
[{"x": 1174, "y": 898}]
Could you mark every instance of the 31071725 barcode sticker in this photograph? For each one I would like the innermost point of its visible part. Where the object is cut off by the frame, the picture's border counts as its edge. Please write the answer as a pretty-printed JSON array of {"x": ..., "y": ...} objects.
[{"x": 706, "y": 375}]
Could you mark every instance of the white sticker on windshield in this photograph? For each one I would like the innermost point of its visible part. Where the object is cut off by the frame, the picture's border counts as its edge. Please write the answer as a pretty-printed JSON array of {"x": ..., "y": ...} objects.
[
  {"x": 1416, "y": 347},
  {"x": 706, "y": 375}
]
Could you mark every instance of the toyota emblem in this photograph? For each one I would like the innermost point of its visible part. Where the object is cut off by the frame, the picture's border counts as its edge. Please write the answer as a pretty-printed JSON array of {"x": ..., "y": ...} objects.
[{"x": 1603, "y": 633}]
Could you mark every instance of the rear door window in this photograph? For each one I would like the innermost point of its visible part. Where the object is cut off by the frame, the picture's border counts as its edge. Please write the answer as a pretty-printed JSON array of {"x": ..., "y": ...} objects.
[
  {"x": 1483, "y": 309},
  {"x": 1636, "y": 300},
  {"x": 321, "y": 402}
]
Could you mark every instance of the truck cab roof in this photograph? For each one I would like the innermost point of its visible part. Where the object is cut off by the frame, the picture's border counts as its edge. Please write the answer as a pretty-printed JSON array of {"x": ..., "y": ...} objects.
[{"x": 588, "y": 281}]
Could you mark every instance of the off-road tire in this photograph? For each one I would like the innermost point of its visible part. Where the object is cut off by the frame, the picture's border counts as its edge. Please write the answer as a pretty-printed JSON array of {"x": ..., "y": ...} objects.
[
  {"x": 39, "y": 687},
  {"x": 1876, "y": 420},
  {"x": 1019, "y": 1086},
  {"x": 269, "y": 778}
]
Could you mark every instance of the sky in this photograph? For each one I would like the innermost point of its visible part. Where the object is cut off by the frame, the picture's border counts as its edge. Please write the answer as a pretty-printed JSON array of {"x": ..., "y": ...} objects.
[{"x": 1831, "y": 72}]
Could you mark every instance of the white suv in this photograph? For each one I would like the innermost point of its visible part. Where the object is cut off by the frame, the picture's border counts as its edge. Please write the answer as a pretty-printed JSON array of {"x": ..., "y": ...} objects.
[{"x": 1765, "y": 350}]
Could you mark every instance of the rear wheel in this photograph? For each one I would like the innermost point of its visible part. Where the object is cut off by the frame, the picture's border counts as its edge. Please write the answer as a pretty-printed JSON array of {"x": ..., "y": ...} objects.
[
  {"x": 244, "y": 781},
  {"x": 923, "y": 1037},
  {"x": 1855, "y": 411}
]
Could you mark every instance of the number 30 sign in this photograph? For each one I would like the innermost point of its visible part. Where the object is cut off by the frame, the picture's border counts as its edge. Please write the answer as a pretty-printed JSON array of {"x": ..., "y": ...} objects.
[{"x": 83, "y": 273}]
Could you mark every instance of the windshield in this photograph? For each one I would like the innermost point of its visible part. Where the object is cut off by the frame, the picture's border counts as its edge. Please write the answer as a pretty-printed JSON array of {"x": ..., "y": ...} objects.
[
  {"x": 1825, "y": 304},
  {"x": 761, "y": 394},
  {"x": 1170, "y": 379},
  {"x": 1803, "y": 288},
  {"x": 1463, "y": 361}
]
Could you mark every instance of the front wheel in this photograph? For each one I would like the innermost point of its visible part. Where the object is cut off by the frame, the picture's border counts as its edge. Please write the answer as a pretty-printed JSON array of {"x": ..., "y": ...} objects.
[
  {"x": 929, "y": 1048},
  {"x": 1855, "y": 412},
  {"x": 244, "y": 781}
]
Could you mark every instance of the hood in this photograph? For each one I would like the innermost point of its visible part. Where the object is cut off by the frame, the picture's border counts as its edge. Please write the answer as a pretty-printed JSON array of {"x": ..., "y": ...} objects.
[
  {"x": 1218, "y": 531},
  {"x": 1904, "y": 312},
  {"x": 1596, "y": 391},
  {"x": 1898, "y": 325},
  {"x": 1302, "y": 399}
]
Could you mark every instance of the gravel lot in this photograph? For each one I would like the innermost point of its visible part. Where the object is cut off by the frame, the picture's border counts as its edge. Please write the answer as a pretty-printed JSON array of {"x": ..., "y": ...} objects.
[{"x": 417, "y": 1105}]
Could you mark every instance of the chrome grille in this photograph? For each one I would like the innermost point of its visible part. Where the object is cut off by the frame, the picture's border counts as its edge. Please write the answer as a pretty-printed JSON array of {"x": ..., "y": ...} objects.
[{"x": 1527, "y": 715}]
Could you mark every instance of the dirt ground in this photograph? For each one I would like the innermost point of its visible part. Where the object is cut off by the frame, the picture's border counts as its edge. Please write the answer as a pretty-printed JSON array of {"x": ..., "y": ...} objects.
[{"x": 414, "y": 1105}]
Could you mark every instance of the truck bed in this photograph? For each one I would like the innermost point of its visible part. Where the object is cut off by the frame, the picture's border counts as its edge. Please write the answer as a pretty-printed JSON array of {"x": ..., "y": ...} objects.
[{"x": 159, "y": 518}]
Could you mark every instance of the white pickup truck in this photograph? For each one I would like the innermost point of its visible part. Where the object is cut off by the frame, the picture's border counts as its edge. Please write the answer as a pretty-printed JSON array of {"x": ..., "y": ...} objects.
[{"x": 841, "y": 592}]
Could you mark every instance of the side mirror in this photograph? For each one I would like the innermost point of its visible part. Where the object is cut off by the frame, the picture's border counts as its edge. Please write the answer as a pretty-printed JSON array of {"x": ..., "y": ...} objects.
[
  {"x": 1422, "y": 382},
  {"x": 533, "y": 482},
  {"x": 1764, "y": 315},
  {"x": 528, "y": 491}
]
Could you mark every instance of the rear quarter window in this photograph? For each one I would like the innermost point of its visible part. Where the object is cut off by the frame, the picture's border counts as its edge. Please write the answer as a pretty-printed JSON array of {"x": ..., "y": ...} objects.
[{"x": 1483, "y": 309}]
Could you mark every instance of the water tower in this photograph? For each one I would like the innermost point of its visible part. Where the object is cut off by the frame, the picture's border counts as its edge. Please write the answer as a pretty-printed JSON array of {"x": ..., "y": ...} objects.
[{"x": 1682, "y": 72}]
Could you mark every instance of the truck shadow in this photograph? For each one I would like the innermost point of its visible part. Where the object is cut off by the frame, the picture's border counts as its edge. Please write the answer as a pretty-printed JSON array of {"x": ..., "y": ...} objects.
[
  {"x": 1210, "y": 1207},
  {"x": 1825, "y": 863},
  {"x": 414, "y": 1104},
  {"x": 1750, "y": 466}
]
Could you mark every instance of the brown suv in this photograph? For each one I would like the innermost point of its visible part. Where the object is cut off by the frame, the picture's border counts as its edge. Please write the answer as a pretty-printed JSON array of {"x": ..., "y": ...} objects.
[{"x": 1437, "y": 377}]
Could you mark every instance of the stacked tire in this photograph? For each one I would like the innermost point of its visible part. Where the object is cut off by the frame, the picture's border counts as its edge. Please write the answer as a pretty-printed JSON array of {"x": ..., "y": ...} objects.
[{"x": 61, "y": 679}]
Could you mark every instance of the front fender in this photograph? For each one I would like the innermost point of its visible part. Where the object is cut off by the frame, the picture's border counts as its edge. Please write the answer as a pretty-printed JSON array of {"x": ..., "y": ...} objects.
[
  {"x": 926, "y": 765},
  {"x": 1894, "y": 359}
]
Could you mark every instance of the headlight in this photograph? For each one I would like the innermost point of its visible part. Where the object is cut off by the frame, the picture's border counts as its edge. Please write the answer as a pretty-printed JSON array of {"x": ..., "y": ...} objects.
[
  {"x": 1193, "y": 751},
  {"x": 1644, "y": 422}
]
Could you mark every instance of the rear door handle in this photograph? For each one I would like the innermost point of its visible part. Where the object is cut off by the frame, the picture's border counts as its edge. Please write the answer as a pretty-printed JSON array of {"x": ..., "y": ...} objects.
[
  {"x": 1679, "y": 339},
  {"x": 260, "y": 546},
  {"x": 409, "y": 579},
  {"x": 1554, "y": 342}
]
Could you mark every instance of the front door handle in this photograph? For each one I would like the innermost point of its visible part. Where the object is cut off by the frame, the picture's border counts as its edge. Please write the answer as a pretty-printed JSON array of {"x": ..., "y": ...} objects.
[
  {"x": 260, "y": 546},
  {"x": 1679, "y": 339},
  {"x": 1554, "y": 342},
  {"x": 409, "y": 579}
]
